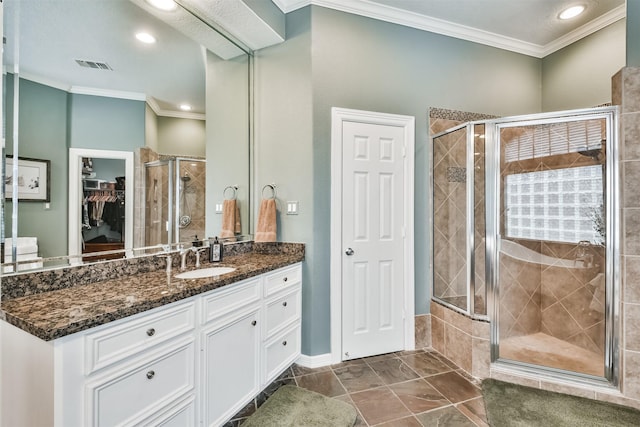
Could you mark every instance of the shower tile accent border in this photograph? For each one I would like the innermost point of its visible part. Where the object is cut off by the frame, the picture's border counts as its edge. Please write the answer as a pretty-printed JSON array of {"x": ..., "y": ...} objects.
[{"x": 456, "y": 115}]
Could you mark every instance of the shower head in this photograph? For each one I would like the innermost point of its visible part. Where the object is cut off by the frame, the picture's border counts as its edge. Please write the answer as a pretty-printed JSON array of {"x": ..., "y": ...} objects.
[
  {"x": 185, "y": 178},
  {"x": 594, "y": 153}
]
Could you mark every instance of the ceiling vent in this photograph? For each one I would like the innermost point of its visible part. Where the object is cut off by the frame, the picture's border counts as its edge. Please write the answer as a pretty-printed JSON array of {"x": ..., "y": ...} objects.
[{"x": 93, "y": 64}]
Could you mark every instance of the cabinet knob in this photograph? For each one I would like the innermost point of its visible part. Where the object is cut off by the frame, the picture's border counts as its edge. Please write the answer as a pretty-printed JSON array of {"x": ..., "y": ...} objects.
[
  {"x": 151, "y": 332},
  {"x": 284, "y": 343},
  {"x": 285, "y": 279},
  {"x": 151, "y": 374},
  {"x": 284, "y": 304},
  {"x": 254, "y": 323}
]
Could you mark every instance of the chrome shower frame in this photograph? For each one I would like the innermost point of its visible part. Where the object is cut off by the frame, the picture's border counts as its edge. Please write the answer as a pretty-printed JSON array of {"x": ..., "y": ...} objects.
[{"x": 492, "y": 239}]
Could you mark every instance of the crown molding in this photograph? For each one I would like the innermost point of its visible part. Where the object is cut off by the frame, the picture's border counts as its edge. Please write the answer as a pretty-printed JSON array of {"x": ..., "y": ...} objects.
[
  {"x": 45, "y": 81},
  {"x": 107, "y": 93},
  {"x": 153, "y": 104},
  {"x": 133, "y": 96},
  {"x": 434, "y": 25},
  {"x": 597, "y": 24}
]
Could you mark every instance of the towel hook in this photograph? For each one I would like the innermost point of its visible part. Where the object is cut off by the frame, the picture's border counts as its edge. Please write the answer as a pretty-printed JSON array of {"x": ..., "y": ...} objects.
[
  {"x": 234, "y": 194},
  {"x": 273, "y": 190}
]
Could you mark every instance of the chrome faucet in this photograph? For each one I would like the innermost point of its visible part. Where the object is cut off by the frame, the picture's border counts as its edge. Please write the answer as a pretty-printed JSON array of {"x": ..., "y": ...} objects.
[
  {"x": 197, "y": 251},
  {"x": 166, "y": 253},
  {"x": 183, "y": 257}
]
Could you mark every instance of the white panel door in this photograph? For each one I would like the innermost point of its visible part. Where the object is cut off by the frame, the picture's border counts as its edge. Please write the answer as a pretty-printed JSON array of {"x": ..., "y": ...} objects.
[{"x": 372, "y": 239}]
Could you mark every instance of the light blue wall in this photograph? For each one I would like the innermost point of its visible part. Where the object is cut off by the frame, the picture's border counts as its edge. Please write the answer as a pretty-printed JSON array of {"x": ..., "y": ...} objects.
[
  {"x": 227, "y": 137},
  {"x": 106, "y": 123},
  {"x": 184, "y": 137},
  {"x": 579, "y": 75},
  {"x": 336, "y": 59},
  {"x": 42, "y": 135},
  {"x": 51, "y": 121},
  {"x": 284, "y": 153}
]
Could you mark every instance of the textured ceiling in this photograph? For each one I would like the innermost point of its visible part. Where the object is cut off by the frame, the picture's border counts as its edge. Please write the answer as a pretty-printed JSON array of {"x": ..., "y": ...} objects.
[
  {"x": 53, "y": 33},
  {"x": 531, "y": 21}
]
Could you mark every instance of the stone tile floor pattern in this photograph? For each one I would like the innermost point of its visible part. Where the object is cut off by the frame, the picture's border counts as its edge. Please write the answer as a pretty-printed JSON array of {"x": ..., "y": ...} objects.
[{"x": 406, "y": 389}]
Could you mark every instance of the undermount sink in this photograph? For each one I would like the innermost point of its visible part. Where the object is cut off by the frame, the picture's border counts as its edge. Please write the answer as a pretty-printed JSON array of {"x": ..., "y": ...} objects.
[{"x": 204, "y": 272}]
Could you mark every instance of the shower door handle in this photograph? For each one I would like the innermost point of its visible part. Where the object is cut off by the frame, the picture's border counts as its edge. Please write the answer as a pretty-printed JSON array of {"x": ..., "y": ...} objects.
[{"x": 349, "y": 252}]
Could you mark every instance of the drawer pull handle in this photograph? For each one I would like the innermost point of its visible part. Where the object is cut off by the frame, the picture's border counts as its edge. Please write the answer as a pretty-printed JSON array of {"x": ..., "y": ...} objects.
[
  {"x": 254, "y": 323},
  {"x": 284, "y": 304},
  {"x": 285, "y": 279},
  {"x": 151, "y": 332},
  {"x": 151, "y": 374},
  {"x": 284, "y": 343}
]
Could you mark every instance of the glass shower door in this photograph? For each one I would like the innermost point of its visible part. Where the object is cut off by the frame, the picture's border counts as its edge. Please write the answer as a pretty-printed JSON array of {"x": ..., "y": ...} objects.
[
  {"x": 450, "y": 269},
  {"x": 158, "y": 203},
  {"x": 554, "y": 263}
]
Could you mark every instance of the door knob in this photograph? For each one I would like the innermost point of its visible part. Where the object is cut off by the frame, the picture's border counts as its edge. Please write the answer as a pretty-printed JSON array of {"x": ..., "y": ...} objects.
[{"x": 349, "y": 251}]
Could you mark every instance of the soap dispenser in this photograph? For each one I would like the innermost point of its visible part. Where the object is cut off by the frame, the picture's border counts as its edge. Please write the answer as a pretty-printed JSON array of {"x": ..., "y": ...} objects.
[
  {"x": 196, "y": 243},
  {"x": 215, "y": 251}
]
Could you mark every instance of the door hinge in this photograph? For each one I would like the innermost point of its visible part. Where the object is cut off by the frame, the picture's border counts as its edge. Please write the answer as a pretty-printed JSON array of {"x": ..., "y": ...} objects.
[{"x": 404, "y": 232}]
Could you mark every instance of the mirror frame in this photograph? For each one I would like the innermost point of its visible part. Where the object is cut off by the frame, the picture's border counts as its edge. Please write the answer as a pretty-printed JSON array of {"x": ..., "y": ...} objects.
[
  {"x": 76, "y": 193},
  {"x": 74, "y": 240}
]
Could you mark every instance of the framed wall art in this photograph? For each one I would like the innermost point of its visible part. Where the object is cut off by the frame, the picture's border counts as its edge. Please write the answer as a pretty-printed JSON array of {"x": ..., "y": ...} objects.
[{"x": 33, "y": 179}]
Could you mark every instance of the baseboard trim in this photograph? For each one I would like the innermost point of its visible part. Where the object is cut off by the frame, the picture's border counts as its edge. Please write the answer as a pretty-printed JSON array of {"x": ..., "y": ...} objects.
[{"x": 314, "y": 361}]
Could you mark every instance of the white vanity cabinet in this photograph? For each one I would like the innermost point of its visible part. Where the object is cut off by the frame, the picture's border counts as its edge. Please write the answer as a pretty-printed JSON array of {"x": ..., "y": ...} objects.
[
  {"x": 230, "y": 350},
  {"x": 195, "y": 361}
]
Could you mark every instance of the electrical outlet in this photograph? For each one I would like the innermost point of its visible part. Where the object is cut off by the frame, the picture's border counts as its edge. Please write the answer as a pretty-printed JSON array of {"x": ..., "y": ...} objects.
[{"x": 292, "y": 208}]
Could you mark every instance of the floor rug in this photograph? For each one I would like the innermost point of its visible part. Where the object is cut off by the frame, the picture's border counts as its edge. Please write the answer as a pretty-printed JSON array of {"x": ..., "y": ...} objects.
[
  {"x": 292, "y": 406},
  {"x": 511, "y": 405}
]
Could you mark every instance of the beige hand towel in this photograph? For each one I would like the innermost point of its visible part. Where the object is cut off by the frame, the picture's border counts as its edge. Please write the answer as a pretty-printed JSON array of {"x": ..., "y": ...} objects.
[
  {"x": 266, "y": 229},
  {"x": 230, "y": 219}
]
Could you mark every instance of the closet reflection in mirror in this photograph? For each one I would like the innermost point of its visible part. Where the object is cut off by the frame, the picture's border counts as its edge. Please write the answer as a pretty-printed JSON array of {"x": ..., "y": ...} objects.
[{"x": 130, "y": 105}]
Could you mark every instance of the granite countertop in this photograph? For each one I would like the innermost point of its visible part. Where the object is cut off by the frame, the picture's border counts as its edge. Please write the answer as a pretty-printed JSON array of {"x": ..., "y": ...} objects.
[{"x": 55, "y": 314}]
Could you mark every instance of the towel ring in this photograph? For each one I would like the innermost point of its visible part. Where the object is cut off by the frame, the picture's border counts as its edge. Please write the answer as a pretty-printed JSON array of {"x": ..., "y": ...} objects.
[
  {"x": 234, "y": 194},
  {"x": 273, "y": 191}
]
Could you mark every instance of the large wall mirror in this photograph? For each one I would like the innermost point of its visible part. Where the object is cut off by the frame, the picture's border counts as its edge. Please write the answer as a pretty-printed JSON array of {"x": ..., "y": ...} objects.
[{"x": 114, "y": 141}]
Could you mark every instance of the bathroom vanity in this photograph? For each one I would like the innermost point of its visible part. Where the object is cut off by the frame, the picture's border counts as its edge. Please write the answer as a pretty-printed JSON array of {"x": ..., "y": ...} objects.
[{"x": 150, "y": 349}]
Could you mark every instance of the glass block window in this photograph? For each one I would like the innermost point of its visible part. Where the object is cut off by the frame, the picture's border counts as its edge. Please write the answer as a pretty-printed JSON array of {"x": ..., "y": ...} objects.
[{"x": 561, "y": 205}]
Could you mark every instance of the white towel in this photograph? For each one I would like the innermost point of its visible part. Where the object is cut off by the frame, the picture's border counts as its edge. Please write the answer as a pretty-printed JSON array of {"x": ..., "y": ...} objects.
[{"x": 266, "y": 229}]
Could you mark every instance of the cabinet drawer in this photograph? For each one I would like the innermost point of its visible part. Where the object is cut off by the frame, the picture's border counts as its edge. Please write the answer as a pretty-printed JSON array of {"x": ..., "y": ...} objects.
[
  {"x": 140, "y": 391},
  {"x": 282, "y": 311},
  {"x": 280, "y": 352},
  {"x": 282, "y": 279},
  {"x": 115, "y": 343},
  {"x": 230, "y": 298},
  {"x": 181, "y": 415}
]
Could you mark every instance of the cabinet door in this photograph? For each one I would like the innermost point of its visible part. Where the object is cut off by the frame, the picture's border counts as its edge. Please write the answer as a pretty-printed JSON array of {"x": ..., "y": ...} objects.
[{"x": 231, "y": 366}]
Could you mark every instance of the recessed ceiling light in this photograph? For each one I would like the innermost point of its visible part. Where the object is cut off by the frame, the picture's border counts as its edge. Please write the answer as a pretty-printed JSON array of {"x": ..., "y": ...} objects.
[
  {"x": 571, "y": 12},
  {"x": 163, "y": 4},
  {"x": 185, "y": 107},
  {"x": 146, "y": 38}
]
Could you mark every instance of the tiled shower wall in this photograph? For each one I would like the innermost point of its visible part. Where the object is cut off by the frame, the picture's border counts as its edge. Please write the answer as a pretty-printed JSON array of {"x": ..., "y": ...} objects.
[{"x": 626, "y": 93}]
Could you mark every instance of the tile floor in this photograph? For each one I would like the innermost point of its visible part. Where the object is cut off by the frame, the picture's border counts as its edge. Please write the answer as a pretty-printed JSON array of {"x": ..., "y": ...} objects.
[{"x": 407, "y": 389}]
